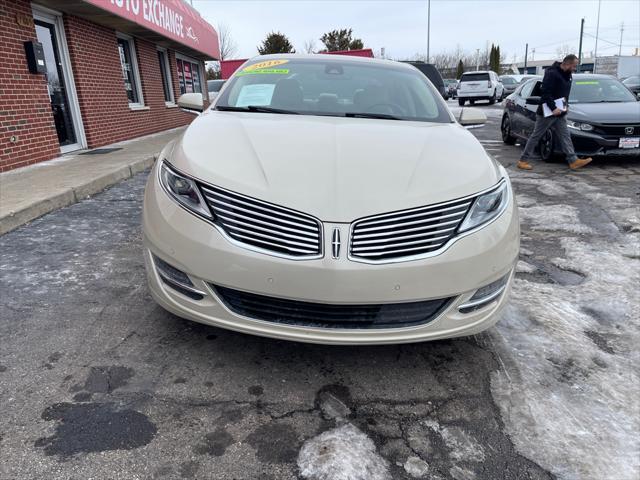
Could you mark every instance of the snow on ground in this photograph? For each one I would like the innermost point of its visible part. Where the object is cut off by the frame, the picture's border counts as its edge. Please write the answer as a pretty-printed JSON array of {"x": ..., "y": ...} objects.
[
  {"x": 343, "y": 453},
  {"x": 570, "y": 390}
]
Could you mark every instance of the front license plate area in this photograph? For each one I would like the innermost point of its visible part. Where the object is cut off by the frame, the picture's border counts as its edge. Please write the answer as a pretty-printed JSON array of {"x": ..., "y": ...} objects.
[{"x": 629, "y": 142}]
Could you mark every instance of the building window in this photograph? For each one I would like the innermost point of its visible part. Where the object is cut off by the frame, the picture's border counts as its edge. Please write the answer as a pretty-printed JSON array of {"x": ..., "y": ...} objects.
[
  {"x": 165, "y": 73},
  {"x": 189, "y": 76},
  {"x": 130, "y": 74}
]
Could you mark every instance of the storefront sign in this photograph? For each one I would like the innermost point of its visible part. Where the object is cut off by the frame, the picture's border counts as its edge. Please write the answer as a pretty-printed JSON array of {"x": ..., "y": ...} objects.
[{"x": 173, "y": 19}]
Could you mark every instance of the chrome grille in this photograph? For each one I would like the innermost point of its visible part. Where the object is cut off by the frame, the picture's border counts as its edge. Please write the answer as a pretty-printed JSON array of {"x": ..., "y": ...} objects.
[
  {"x": 263, "y": 225},
  {"x": 407, "y": 233}
]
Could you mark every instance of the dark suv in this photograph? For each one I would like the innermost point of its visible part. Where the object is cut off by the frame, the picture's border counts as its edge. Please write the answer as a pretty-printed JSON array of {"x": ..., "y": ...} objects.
[{"x": 431, "y": 72}]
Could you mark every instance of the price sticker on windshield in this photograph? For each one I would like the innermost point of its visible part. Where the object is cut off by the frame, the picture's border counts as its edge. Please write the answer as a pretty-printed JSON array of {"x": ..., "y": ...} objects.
[{"x": 269, "y": 64}]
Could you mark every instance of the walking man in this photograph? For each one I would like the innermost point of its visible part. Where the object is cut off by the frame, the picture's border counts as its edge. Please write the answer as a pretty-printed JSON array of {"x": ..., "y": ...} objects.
[{"x": 556, "y": 84}]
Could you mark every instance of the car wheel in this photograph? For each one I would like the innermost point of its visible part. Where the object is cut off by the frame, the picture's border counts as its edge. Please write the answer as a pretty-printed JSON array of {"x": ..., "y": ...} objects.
[
  {"x": 472, "y": 102},
  {"x": 546, "y": 147},
  {"x": 492, "y": 100},
  {"x": 505, "y": 128},
  {"x": 461, "y": 102}
]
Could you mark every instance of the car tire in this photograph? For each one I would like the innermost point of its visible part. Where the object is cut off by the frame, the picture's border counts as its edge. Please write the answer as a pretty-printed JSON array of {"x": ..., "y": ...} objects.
[
  {"x": 505, "y": 129},
  {"x": 545, "y": 147},
  {"x": 492, "y": 100},
  {"x": 461, "y": 102},
  {"x": 472, "y": 102}
]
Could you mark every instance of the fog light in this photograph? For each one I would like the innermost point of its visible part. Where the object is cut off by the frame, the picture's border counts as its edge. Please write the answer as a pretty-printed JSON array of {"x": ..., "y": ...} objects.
[
  {"x": 177, "y": 279},
  {"x": 484, "y": 295}
]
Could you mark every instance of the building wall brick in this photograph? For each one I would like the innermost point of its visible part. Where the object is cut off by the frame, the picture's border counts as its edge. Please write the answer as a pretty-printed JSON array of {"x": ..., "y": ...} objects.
[{"x": 27, "y": 129}]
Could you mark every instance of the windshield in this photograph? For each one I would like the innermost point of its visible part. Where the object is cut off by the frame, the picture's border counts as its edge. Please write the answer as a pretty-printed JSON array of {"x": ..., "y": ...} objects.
[
  {"x": 334, "y": 87},
  {"x": 474, "y": 77},
  {"x": 597, "y": 90},
  {"x": 508, "y": 81}
]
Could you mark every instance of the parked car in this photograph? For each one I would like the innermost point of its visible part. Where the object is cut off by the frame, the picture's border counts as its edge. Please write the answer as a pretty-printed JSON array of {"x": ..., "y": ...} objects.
[
  {"x": 603, "y": 117},
  {"x": 633, "y": 84},
  {"x": 480, "y": 85},
  {"x": 451, "y": 84},
  {"x": 330, "y": 200},
  {"x": 213, "y": 87},
  {"x": 510, "y": 83},
  {"x": 431, "y": 72}
]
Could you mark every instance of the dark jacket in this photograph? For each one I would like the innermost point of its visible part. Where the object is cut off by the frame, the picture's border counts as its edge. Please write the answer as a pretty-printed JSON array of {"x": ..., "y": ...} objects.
[{"x": 555, "y": 84}]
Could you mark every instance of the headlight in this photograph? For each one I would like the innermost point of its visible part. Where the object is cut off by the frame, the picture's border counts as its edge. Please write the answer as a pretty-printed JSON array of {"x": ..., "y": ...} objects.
[
  {"x": 184, "y": 191},
  {"x": 486, "y": 207},
  {"x": 585, "y": 127}
]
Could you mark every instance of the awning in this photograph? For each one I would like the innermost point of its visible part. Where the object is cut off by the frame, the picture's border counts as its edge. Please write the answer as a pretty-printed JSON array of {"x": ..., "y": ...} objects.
[{"x": 169, "y": 23}]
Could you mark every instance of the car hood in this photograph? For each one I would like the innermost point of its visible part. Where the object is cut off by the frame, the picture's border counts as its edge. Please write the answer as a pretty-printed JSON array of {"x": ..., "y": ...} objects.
[
  {"x": 337, "y": 169},
  {"x": 613, "y": 112}
]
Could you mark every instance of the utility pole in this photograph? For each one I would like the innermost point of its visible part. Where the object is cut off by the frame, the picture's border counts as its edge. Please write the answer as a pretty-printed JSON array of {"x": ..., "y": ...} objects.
[
  {"x": 526, "y": 55},
  {"x": 428, "y": 27},
  {"x": 580, "y": 47},
  {"x": 595, "y": 58},
  {"x": 533, "y": 54},
  {"x": 477, "y": 59},
  {"x": 621, "y": 30}
]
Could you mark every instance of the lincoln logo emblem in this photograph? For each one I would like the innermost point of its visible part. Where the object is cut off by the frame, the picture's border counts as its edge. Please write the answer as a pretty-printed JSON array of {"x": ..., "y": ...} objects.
[
  {"x": 628, "y": 130},
  {"x": 335, "y": 243}
]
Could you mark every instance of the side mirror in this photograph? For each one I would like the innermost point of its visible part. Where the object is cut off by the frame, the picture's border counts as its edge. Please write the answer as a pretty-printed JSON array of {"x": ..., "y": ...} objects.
[
  {"x": 472, "y": 116},
  {"x": 533, "y": 101},
  {"x": 191, "y": 103}
]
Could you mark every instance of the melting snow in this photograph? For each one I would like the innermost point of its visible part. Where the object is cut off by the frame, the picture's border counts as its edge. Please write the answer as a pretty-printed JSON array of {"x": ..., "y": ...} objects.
[
  {"x": 344, "y": 453},
  {"x": 569, "y": 393}
]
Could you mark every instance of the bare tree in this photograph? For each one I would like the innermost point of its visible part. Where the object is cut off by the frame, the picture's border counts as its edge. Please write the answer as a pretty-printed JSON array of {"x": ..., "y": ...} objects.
[
  {"x": 310, "y": 46},
  {"x": 228, "y": 46},
  {"x": 564, "y": 50}
]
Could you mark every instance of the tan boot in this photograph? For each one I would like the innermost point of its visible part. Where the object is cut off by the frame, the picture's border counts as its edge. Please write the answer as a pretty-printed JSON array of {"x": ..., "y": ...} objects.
[
  {"x": 579, "y": 163},
  {"x": 524, "y": 165}
]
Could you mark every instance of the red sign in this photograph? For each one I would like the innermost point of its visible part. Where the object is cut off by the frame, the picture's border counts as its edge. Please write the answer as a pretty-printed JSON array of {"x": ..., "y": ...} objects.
[{"x": 173, "y": 19}]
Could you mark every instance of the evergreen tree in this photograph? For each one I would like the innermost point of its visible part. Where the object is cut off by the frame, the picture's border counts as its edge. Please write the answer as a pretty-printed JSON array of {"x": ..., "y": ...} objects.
[
  {"x": 460, "y": 69},
  {"x": 276, "y": 42},
  {"x": 340, "y": 40}
]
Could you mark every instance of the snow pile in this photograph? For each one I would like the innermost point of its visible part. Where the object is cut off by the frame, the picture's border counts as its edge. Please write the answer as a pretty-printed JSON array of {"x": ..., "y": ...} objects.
[
  {"x": 569, "y": 393},
  {"x": 344, "y": 453}
]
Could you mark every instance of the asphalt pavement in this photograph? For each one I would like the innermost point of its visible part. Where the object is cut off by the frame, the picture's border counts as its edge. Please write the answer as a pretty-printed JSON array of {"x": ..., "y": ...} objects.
[{"x": 97, "y": 381}]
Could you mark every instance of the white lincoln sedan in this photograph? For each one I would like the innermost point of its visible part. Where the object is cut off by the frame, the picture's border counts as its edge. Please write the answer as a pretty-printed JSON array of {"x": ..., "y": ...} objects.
[{"x": 330, "y": 199}]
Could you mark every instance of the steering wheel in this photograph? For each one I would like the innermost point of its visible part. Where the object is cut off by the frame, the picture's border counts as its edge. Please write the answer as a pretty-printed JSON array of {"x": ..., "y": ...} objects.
[{"x": 395, "y": 109}]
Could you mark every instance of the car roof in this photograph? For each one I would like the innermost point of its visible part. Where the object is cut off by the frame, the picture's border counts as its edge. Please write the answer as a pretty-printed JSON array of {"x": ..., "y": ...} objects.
[
  {"x": 320, "y": 58},
  {"x": 479, "y": 71}
]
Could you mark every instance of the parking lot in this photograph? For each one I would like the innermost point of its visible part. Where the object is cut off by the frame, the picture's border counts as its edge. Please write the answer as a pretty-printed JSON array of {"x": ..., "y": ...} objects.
[{"x": 100, "y": 382}]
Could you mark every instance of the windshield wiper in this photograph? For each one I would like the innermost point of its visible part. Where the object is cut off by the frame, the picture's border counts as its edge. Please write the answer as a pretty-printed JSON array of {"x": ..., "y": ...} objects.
[
  {"x": 385, "y": 116},
  {"x": 254, "y": 108}
]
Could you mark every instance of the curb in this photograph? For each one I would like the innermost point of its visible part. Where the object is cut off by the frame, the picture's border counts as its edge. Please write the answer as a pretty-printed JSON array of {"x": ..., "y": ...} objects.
[{"x": 73, "y": 195}]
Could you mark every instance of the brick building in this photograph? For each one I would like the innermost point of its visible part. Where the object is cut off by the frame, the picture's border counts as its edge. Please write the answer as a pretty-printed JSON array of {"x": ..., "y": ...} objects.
[{"x": 111, "y": 70}]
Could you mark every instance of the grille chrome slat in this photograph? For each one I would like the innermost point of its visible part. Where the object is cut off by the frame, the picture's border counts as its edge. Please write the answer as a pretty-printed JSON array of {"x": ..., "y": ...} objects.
[
  {"x": 416, "y": 214},
  {"x": 299, "y": 235},
  {"x": 414, "y": 222},
  {"x": 271, "y": 237},
  {"x": 278, "y": 211},
  {"x": 268, "y": 228},
  {"x": 228, "y": 206},
  {"x": 407, "y": 234},
  {"x": 401, "y": 244},
  {"x": 429, "y": 231}
]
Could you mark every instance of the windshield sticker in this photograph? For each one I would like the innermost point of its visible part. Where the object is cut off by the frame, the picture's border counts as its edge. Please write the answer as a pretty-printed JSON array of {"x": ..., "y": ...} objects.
[
  {"x": 258, "y": 94},
  {"x": 587, "y": 82},
  {"x": 262, "y": 65},
  {"x": 265, "y": 71}
]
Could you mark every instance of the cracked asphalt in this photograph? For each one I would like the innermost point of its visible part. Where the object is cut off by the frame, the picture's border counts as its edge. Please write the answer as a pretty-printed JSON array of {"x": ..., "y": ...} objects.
[{"x": 97, "y": 381}]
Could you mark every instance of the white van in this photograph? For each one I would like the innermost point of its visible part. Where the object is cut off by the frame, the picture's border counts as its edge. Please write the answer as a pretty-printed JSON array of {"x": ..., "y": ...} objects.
[{"x": 480, "y": 85}]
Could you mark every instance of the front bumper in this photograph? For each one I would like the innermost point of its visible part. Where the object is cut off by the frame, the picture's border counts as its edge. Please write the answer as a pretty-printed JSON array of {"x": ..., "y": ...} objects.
[
  {"x": 592, "y": 144},
  {"x": 195, "y": 247}
]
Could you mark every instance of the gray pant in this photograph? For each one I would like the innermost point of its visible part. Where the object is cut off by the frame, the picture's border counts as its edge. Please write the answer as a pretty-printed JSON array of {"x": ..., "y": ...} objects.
[{"x": 562, "y": 137}]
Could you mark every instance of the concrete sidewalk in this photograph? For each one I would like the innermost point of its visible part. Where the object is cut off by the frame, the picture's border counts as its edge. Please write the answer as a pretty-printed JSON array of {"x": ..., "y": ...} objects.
[{"x": 30, "y": 192}]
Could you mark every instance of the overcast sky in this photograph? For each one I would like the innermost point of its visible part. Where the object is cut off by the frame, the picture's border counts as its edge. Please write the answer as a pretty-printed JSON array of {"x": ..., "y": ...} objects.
[{"x": 400, "y": 26}]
